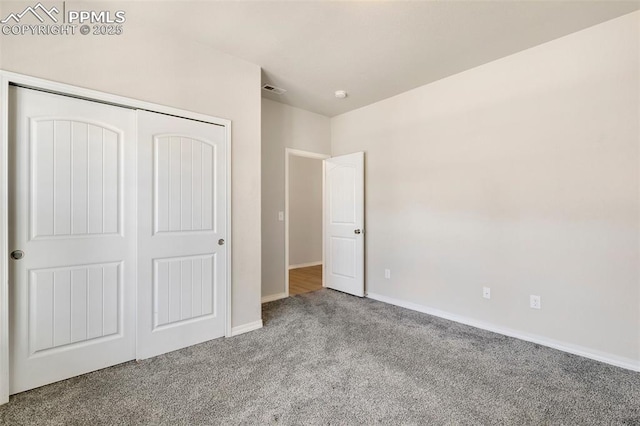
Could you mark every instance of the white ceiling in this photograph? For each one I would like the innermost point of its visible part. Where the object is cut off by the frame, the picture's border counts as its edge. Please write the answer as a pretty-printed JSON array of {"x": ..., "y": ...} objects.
[{"x": 373, "y": 49}]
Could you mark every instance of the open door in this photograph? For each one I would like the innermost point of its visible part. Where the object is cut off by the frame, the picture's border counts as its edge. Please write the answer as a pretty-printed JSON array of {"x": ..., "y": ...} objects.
[{"x": 344, "y": 223}]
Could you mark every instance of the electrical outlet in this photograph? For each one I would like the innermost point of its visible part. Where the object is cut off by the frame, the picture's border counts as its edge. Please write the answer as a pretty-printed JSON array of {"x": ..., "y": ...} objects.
[
  {"x": 486, "y": 292},
  {"x": 387, "y": 273},
  {"x": 281, "y": 216},
  {"x": 534, "y": 302}
]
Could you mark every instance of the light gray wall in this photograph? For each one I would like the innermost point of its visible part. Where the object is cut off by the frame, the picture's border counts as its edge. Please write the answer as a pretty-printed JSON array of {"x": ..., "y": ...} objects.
[
  {"x": 521, "y": 175},
  {"x": 305, "y": 210},
  {"x": 283, "y": 127},
  {"x": 166, "y": 70}
]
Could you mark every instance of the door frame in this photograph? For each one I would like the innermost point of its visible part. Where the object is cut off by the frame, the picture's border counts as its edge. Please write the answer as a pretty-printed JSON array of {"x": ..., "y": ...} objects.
[
  {"x": 6, "y": 79},
  {"x": 290, "y": 152}
]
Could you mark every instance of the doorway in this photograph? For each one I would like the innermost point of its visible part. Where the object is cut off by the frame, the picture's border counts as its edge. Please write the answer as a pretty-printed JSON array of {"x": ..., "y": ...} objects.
[{"x": 304, "y": 249}]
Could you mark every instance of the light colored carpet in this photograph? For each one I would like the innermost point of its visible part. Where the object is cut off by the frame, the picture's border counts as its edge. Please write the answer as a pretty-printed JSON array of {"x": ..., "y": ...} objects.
[{"x": 329, "y": 358}]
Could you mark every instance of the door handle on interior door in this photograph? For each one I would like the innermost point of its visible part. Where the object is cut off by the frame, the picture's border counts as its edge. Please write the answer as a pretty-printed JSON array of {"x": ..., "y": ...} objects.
[
  {"x": 357, "y": 231},
  {"x": 17, "y": 254},
  {"x": 220, "y": 242}
]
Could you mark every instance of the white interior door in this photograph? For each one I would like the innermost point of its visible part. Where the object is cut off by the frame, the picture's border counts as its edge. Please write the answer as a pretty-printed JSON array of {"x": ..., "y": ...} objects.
[
  {"x": 182, "y": 231},
  {"x": 72, "y": 216},
  {"x": 344, "y": 223}
]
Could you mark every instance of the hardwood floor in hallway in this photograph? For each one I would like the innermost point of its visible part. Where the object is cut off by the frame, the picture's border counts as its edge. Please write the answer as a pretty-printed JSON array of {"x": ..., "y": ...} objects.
[{"x": 305, "y": 280}]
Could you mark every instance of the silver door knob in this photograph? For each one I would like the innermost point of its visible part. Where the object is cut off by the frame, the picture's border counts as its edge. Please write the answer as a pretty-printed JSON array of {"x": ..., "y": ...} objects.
[
  {"x": 220, "y": 242},
  {"x": 357, "y": 231},
  {"x": 17, "y": 254}
]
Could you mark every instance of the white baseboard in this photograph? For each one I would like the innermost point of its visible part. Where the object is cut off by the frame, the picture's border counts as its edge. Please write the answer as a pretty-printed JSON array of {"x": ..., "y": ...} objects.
[
  {"x": 273, "y": 297},
  {"x": 305, "y": 265},
  {"x": 628, "y": 363},
  {"x": 245, "y": 328}
]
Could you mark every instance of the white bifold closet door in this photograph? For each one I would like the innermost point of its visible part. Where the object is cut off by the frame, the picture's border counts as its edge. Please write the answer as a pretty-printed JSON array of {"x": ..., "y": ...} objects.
[
  {"x": 182, "y": 246},
  {"x": 118, "y": 229},
  {"x": 72, "y": 218}
]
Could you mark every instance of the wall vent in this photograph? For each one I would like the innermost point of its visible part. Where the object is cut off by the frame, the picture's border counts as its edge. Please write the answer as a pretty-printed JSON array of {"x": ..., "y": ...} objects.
[{"x": 273, "y": 89}]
